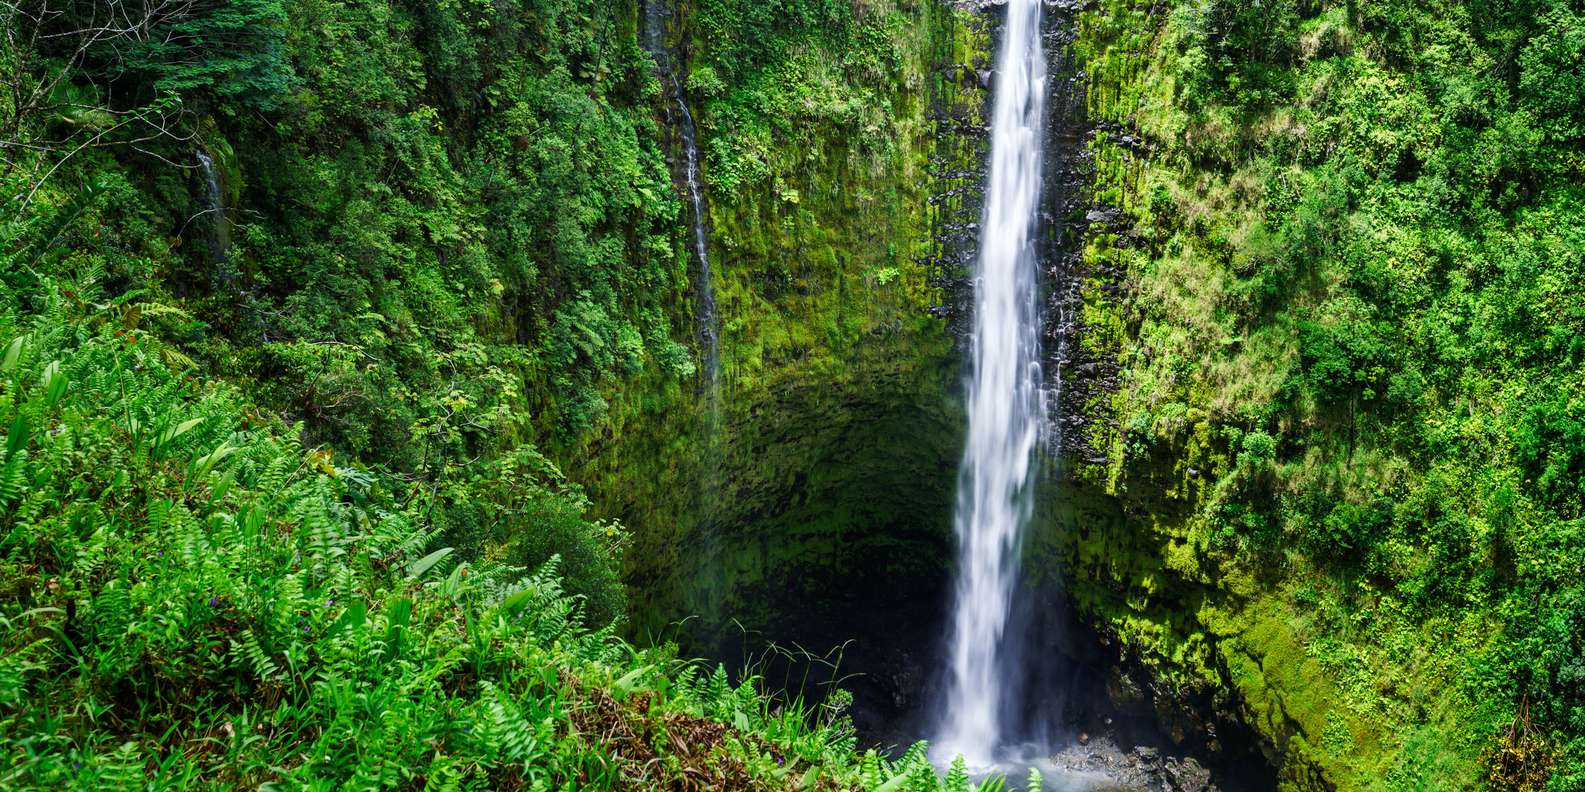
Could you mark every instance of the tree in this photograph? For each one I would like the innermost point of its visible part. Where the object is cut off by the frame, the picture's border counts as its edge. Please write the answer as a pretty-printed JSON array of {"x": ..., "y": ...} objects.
[
  {"x": 84, "y": 74},
  {"x": 1552, "y": 76}
]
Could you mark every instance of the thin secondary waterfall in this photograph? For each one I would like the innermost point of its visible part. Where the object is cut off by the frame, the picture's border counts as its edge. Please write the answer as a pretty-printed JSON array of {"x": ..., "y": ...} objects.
[
  {"x": 709, "y": 333},
  {"x": 1005, "y": 401},
  {"x": 701, "y": 248},
  {"x": 220, "y": 225}
]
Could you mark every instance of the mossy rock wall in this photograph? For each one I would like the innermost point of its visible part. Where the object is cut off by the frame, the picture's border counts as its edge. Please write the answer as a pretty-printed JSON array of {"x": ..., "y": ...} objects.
[
  {"x": 1203, "y": 638},
  {"x": 1350, "y": 684},
  {"x": 826, "y": 459}
]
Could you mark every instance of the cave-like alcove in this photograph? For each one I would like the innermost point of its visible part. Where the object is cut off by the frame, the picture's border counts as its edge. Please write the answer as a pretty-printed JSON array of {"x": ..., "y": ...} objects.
[{"x": 822, "y": 559}]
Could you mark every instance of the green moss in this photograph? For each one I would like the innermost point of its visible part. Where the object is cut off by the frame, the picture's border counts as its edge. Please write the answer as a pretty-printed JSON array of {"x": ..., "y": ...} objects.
[
  {"x": 1316, "y": 433},
  {"x": 829, "y": 453}
]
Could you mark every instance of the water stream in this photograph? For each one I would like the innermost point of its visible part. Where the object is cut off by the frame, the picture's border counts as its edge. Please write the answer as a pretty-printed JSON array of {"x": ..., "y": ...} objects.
[
  {"x": 666, "y": 66},
  {"x": 1005, "y": 404},
  {"x": 214, "y": 207}
]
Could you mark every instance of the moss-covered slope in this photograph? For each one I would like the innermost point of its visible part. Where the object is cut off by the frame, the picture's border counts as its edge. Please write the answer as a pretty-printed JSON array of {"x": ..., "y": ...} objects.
[{"x": 1328, "y": 479}]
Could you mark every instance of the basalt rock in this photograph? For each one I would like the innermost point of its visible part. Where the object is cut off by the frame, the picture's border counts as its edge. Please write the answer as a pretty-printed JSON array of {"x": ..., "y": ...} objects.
[{"x": 1141, "y": 769}]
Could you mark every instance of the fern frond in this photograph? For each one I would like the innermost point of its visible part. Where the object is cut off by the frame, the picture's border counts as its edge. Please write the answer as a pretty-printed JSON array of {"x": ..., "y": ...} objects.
[
  {"x": 247, "y": 650},
  {"x": 957, "y": 779},
  {"x": 13, "y": 477}
]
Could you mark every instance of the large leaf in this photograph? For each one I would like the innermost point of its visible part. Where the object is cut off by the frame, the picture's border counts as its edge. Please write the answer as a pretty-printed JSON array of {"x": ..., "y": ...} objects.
[{"x": 417, "y": 569}]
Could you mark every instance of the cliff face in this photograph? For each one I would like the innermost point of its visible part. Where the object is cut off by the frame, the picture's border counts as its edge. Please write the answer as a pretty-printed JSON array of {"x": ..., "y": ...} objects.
[
  {"x": 1315, "y": 276},
  {"x": 1281, "y": 342},
  {"x": 1208, "y": 635},
  {"x": 824, "y": 461},
  {"x": 1306, "y": 384},
  {"x": 822, "y": 470}
]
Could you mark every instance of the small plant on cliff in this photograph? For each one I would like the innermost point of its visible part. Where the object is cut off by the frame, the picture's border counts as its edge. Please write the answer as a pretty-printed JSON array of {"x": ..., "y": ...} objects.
[{"x": 1522, "y": 761}]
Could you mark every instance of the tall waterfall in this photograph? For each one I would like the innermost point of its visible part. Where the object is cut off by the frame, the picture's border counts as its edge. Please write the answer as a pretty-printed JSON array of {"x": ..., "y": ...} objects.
[
  {"x": 1005, "y": 401},
  {"x": 708, "y": 330}
]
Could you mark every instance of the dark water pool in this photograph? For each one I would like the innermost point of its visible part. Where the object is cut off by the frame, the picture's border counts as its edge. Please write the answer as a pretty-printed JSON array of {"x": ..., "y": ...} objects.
[{"x": 883, "y": 646}]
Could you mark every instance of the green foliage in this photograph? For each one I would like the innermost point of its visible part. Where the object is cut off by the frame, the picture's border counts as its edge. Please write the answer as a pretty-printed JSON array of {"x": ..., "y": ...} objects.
[
  {"x": 1242, "y": 49},
  {"x": 416, "y": 195},
  {"x": 1550, "y": 70},
  {"x": 189, "y": 597},
  {"x": 231, "y": 49},
  {"x": 788, "y": 74},
  {"x": 1347, "y": 358},
  {"x": 957, "y": 779},
  {"x": 452, "y": 257},
  {"x": 520, "y": 510},
  {"x": 1549, "y": 442},
  {"x": 1358, "y": 302}
]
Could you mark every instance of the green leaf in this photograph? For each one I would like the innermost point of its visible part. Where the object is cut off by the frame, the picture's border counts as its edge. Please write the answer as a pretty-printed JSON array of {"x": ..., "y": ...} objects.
[
  {"x": 809, "y": 778},
  {"x": 170, "y": 434},
  {"x": 19, "y": 436},
  {"x": 398, "y": 613},
  {"x": 206, "y": 463},
  {"x": 13, "y": 353},
  {"x": 53, "y": 381},
  {"x": 356, "y": 616},
  {"x": 894, "y": 784},
  {"x": 518, "y": 601},
  {"x": 629, "y": 681},
  {"x": 185, "y": 426},
  {"x": 995, "y": 784},
  {"x": 417, "y": 569}
]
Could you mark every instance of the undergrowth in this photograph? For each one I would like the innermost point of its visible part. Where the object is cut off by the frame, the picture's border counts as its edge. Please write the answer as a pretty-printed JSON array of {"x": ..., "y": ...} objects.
[
  {"x": 1349, "y": 346},
  {"x": 190, "y": 598}
]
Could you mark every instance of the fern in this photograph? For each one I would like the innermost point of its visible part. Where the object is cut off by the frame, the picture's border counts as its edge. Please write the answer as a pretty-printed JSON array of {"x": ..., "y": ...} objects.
[
  {"x": 247, "y": 650},
  {"x": 871, "y": 775},
  {"x": 718, "y": 688},
  {"x": 377, "y": 767},
  {"x": 512, "y": 737},
  {"x": 258, "y": 615},
  {"x": 921, "y": 777},
  {"x": 444, "y": 774},
  {"x": 13, "y": 477},
  {"x": 957, "y": 779},
  {"x": 112, "y": 610},
  {"x": 273, "y": 481},
  {"x": 917, "y": 754}
]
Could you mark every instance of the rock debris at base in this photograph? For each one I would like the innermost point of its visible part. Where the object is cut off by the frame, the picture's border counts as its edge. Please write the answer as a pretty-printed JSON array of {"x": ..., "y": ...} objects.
[{"x": 1142, "y": 769}]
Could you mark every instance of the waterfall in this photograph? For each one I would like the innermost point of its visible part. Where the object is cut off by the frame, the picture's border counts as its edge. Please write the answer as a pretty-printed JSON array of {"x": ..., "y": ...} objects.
[
  {"x": 701, "y": 249},
  {"x": 1005, "y": 402},
  {"x": 214, "y": 205},
  {"x": 709, "y": 333}
]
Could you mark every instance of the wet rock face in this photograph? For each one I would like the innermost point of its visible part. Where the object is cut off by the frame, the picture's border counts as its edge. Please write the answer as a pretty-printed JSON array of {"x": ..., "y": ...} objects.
[
  {"x": 1070, "y": 375},
  {"x": 816, "y": 508},
  {"x": 1071, "y": 6},
  {"x": 1084, "y": 374}
]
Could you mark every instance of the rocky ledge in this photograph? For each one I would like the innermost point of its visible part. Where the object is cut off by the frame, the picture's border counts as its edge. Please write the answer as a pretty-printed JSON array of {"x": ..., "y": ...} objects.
[{"x": 1141, "y": 769}]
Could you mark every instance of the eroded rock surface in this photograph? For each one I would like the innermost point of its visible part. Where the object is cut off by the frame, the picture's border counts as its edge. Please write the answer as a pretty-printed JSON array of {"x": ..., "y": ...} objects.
[{"x": 1141, "y": 769}]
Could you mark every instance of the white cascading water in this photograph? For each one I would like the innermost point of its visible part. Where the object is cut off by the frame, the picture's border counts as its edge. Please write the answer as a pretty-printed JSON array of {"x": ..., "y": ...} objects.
[
  {"x": 214, "y": 204},
  {"x": 709, "y": 330},
  {"x": 1005, "y": 400}
]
